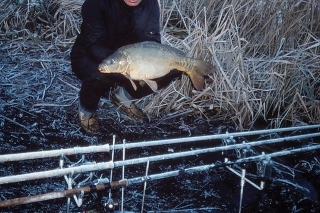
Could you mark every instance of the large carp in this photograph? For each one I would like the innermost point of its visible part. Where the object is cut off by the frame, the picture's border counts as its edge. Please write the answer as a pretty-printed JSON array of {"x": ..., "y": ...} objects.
[{"x": 150, "y": 60}]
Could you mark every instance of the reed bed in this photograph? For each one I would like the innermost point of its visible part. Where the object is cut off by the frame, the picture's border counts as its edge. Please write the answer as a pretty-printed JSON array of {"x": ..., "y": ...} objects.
[{"x": 266, "y": 55}]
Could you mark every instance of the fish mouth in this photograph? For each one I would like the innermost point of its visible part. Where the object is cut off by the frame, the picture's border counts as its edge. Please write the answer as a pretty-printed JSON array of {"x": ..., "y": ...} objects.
[{"x": 100, "y": 69}]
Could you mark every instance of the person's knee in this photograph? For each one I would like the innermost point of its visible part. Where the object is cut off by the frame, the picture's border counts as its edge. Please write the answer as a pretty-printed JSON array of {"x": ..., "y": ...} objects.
[
  {"x": 77, "y": 70},
  {"x": 85, "y": 68}
]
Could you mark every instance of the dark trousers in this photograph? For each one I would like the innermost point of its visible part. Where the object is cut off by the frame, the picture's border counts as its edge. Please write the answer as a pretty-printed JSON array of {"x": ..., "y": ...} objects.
[{"x": 95, "y": 84}]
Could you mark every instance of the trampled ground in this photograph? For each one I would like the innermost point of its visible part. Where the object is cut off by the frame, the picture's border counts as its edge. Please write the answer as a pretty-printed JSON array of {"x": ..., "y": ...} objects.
[{"x": 38, "y": 111}]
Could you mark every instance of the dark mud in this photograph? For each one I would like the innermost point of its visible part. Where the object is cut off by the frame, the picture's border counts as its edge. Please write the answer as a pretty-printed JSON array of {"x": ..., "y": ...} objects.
[{"x": 39, "y": 112}]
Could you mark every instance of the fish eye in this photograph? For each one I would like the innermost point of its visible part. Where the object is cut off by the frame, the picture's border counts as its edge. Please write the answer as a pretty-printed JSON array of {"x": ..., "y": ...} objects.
[{"x": 111, "y": 61}]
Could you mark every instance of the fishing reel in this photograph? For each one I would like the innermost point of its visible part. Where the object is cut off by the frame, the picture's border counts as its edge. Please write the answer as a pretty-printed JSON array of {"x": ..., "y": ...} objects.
[
  {"x": 264, "y": 168},
  {"x": 245, "y": 152},
  {"x": 227, "y": 142}
]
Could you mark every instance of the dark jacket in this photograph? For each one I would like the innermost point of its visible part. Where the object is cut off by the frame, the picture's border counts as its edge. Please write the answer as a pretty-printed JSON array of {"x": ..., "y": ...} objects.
[{"x": 110, "y": 24}]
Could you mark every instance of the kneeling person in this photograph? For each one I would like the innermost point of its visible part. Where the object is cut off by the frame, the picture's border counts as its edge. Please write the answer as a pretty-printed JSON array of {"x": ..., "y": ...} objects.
[{"x": 107, "y": 26}]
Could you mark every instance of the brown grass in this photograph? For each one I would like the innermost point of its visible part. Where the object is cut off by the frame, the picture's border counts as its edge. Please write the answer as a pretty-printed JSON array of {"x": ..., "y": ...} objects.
[{"x": 266, "y": 54}]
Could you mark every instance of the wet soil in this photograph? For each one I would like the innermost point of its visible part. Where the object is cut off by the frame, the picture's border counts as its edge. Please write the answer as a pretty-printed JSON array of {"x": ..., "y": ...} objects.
[{"x": 38, "y": 111}]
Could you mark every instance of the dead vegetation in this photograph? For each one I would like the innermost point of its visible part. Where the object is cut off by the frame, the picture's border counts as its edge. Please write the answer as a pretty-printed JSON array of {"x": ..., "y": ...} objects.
[{"x": 266, "y": 54}]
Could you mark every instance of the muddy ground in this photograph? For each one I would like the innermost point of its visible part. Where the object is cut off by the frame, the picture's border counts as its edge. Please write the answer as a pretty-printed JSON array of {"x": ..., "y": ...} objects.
[{"x": 38, "y": 111}]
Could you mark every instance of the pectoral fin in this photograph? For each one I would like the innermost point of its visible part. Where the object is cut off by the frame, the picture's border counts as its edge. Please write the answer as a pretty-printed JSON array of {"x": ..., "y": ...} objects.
[
  {"x": 133, "y": 84},
  {"x": 128, "y": 77},
  {"x": 152, "y": 84}
]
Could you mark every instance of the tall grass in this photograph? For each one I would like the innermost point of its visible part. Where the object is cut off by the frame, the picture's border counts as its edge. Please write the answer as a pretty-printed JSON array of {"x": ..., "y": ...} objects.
[{"x": 266, "y": 54}]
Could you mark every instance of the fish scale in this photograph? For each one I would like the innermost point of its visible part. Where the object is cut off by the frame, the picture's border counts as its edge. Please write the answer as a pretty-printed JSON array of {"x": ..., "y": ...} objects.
[
  {"x": 189, "y": 65},
  {"x": 147, "y": 61}
]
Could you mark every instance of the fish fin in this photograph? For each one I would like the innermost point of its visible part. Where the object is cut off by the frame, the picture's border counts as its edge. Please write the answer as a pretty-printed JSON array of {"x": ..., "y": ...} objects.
[
  {"x": 203, "y": 67},
  {"x": 196, "y": 79},
  {"x": 152, "y": 84},
  {"x": 133, "y": 84}
]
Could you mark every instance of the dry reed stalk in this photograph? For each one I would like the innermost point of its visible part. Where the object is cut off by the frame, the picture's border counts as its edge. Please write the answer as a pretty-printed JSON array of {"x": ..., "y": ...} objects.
[{"x": 246, "y": 94}]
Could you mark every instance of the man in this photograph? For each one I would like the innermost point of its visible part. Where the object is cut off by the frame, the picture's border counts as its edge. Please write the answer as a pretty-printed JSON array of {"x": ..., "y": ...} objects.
[{"x": 107, "y": 25}]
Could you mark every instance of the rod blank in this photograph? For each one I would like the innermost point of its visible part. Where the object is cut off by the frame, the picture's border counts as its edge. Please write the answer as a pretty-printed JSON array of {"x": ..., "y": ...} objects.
[
  {"x": 211, "y": 137},
  {"x": 57, "y": 172},
  {"x": 107, "y": 147},
  {"x": 228, "y": 163},
  {"x": 54, "y": 153},
  {"x": 61, "y": 194},
  {"x": 210, "y": 150}
]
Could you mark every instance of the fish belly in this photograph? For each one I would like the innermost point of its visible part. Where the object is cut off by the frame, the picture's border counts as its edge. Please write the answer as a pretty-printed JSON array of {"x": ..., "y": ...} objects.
[
  {"x": 151, "y": 63},
  {"x": 150, "y": 60}
]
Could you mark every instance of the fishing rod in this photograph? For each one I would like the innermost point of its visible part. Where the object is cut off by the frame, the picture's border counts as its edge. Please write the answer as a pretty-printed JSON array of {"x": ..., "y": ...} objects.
[
  {"x": 107, "y": 147},
  {"x": 212, "y": 137},
  {"x": 211, "y": 149},
  {"x": 57, "y": 172},
  {"x": 111, "y": 164},
  {"x": 64, "y": 193},
  {"x": 54, "y": 153},
  {"x": 131, "y": 181}
]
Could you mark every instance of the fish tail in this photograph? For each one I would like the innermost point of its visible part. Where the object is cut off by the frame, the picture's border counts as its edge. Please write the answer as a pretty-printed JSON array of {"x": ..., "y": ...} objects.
[
  {"x": 203, "y": 67},
  {"x": 200, "y": 69},
  {"x": 197, "y": 80},
  {"x": 196, "y": 70}
]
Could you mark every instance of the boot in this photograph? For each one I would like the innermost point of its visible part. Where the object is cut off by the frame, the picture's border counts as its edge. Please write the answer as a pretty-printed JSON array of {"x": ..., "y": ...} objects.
[
  {"x": 89, "y": 123},
  {"x": 122, "y": 99}
]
